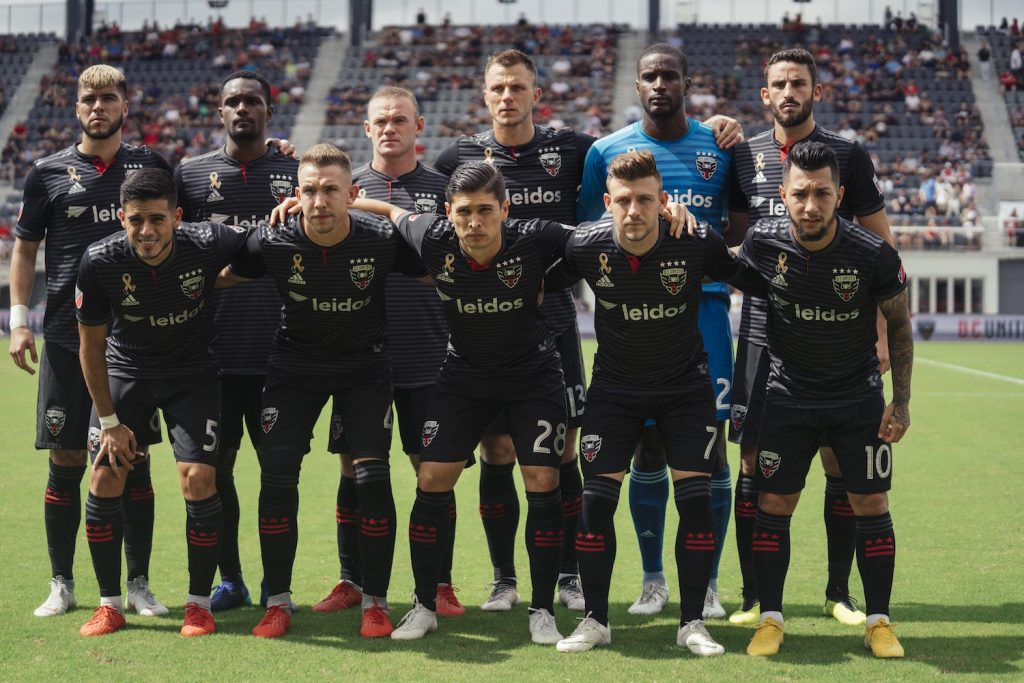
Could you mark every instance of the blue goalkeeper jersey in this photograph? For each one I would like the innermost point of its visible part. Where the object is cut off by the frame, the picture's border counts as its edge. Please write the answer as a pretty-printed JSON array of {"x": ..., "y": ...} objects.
[{"x": 694, "y": 172}]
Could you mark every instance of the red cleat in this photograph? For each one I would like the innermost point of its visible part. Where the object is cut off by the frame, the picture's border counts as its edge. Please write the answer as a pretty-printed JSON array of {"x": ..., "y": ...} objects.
[
  {"x": 198, "y": 621},
  {"x": 376, "y": 622},
  {"x": 105, "y": 620},
  {"x": 274, "y": 624},
  {"x": 342, "y": 596},
  {"x": 447, "y": 604}
]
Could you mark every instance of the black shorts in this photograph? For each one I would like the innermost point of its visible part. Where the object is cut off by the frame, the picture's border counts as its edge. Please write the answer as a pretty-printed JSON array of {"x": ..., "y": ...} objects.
[
  {"x": 63, "y": 405},
  {"x": 191, "y": 407},
  {"x": 791, "y": 436},
  {"x": 750, "y": 381},
  {"x": 411, "y": 411},
  {"x": 531, "y": 396},
  {"x": 362, "y": 403},
  {"x": 615, "y": 421},
  {"x": 241, "y": 402}
]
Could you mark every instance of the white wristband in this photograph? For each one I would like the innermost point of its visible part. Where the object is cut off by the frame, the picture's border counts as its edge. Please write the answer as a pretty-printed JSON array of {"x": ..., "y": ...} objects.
[
  {"x": 19, "y": 316},
  {"x": 109, "y": 421}
]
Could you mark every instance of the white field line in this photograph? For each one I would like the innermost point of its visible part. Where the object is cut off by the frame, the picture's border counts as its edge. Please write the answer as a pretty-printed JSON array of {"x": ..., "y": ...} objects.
[{"x": 970, "y": 371}]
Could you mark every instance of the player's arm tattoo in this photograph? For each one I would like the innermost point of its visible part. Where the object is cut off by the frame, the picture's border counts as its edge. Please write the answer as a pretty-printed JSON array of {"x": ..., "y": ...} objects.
[{"x": 901, "y": 345}]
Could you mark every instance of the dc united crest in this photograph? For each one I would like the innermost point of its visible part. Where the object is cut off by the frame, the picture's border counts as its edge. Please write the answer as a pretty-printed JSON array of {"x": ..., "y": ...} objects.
[
  {"x": 768, "y": 462},
  {"x": 429, "y": 432},
  {"x": 192, "y": 284},
  {"x": 551, "y": 160},
  {"x": 707, "y": 164},
  {"x": 268, "y": 418},
  {"x": 737, "y": 414},
  {"x": 280, "y": 186},
  {"x": 94, "y": 439},
  {"x": 54, "y": 420},
  {"x": 337, "y": 428},
  {"x": 361, "y": 272},
  {"x": 673, "y": 276},
  {"x": 590, "y": 445},
  {"x": 845, "y": 282},
  {"x": 510, "y": 271},
  {"x": 425, "y": 202}
]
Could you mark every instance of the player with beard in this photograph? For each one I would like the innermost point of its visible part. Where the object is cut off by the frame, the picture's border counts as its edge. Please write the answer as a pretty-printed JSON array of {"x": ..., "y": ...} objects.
[
  {"x": 71, "y": 200},
  {"x": 827, "y": 278},
  {"x": 240, "y": 184},
  {"x": 790, "y": 90}
]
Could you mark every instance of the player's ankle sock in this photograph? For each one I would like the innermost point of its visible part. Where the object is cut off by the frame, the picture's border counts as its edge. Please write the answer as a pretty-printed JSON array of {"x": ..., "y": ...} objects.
[
  {"x": 229, "y": 561},
  {"x": 499, "y": 510},
  {"x": 648, "y": 498},
  {"x": 347, "y": 516},
  {"x": 445, "y": 572},
  {"x": 544, "y": 532},
  {"x": 841, "y": 532},
  {"x": 279, "y": 529},
  {"x": 62, "y": 512},
  {"x": 770, "y": 547},
  {"x": 721, "y": 509},
  {"x": 595, "y": 543},
  {"x": 570, "y": 483},
  {"x": 695, "y": 544},
  {"x": 104, "y": 529},
  {"x": 376, "y": 525},
  {"x": 428, "y": 540},
  {"x": 876, "y": 559},
  {"x": 138, "y": 508},
  {"x": 746, "y": 512},
  {"x": 204, "y": 520}
]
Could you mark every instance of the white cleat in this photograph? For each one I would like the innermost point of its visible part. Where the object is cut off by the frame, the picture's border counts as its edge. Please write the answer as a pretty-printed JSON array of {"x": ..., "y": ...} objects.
[
  {"x": 588, "y": 635},
  {"x": 543, "y": 629},
  {"x": 570, "y": 594},
  {"x": 418, "y": 622},
  {"x": 142, "y": 600},
  {"x": 712, "y": 605},
  {"x": 502, "y": 598},
  {"x": 652, "y": 600},
  {"x": 694, "y": 636},
  {"x": 60, "y": 600}
]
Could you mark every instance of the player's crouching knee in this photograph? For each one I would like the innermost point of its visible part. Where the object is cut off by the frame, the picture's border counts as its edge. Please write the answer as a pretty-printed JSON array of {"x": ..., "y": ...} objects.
[
  {"x": 869, "y": 504},
  {"x": 198, "y": 482}
]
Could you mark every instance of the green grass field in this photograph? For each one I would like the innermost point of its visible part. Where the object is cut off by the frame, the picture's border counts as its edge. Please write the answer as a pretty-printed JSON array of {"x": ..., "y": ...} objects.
[{"x": 957, "y": 601}]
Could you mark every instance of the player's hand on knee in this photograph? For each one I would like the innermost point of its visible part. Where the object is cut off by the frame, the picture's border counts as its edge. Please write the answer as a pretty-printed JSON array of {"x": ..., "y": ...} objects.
[
  {"x": 119, "y": 445},
  {"x": 681, "y": 220},
  {"x": 728, "y": 131},
  {"x": 23, "y": 340},
  {"x": 279, "y": 214},
  {"x": 895, "y": 422}
]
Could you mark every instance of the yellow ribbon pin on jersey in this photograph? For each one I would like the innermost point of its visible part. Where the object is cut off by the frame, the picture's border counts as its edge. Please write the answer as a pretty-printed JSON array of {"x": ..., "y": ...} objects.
[
  {"x": 73, "y": 174},
  {"x": 781, "y": 267},
  {"x": 488, "y": 155},
  {"x": 297, "y": 266},
  {"x": 214, "y": 181},
  {"x": 128, "y": 286},
  {"x": 759, "y": 162},
  {"x": 449, "y": 263},
  {"x": 602, "y": 259}
]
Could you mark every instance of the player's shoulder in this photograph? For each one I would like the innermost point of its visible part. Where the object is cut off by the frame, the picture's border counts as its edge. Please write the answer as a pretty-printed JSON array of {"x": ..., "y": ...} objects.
[
  {"x": 860, "y": 235},
  {"x": 593, "y": 233},
  {"x": 625, "y": 136},
  {"x": 546, "y": 135},
  {"x": 360, "y": 173},
  {"x": 842, "y": 146},
  {"x": 141, "y": 154},
  {"x": 203, "y": 234},
  {"x": 56, "y": 161},
  {"x": 756, "y": 143},
  {"x": 773, "y": 227},
  {"x": 430, "y": 173},
  {"x": 370, "y": 224},
  {"x": 526, "y": 227},
  {"x": 108, "y": 249},
  {"x": 205, "y": 159}
]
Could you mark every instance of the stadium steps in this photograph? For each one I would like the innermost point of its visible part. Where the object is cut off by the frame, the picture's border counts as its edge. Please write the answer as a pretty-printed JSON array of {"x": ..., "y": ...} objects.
[
  {"x": 20, "y": 103},
  {"x": 326, "y": 72},
  {"x": 630, "y": 45}
]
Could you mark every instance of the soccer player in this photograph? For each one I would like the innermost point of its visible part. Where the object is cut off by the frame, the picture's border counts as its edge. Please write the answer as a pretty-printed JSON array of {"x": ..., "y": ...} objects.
[
  {"x": 148, "y": 288},
  {"x": 239, "y": 184},
  {"x": 71, "y": 200},
  {"x": 329, "y": 266},
  {"x": 790, "y": 90},
  {"x": 417, "y": 332},
  {"x": 650, "y": 362},
  {"x": 695, "y": 172},
  {"x": 826, "y": 279}
]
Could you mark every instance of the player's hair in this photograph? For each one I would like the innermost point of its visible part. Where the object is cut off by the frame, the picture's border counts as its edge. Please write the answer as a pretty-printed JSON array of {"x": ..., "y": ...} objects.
[
  {"x": 147, "y": 184},
  {"x": 634, "y": 166},
  {"x": 325, "y": 154},
  {"x": 103, "y": 76},
  {"x": 510, "y": 58},
  {"x": 252, "y": 76},
  {"x": 393, "y": 92},
  {"x": 475, "y": 176},
  {"x": 795, "y": 55},
  {"x": 811, "y": 156},
  {"x": 668, "y": 51}
]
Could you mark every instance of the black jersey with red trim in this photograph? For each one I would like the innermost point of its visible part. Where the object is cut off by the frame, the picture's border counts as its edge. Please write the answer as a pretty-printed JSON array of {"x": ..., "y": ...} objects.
[
  {"x": 162, "y": 318},
  {"x": 492, "y": 311},
  {"x": 334, "y": 319},
  {"x": 219, "y": 188},
  {"x": 417, "y": 331},
  {"x": 71, "y": 200},
  {"x": 757, "y": 175},
  {"x": 821, "y": 322}
]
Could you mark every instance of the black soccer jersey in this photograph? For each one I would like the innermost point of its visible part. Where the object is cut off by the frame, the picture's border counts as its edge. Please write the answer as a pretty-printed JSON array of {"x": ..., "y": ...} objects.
[
  {"x": 217, "y": 187},
  {"x": 162, "y": 318},
  {"x": 417, "y": 331},
  {"x": 646, "y": 313},
  {"x": 821, "y": 325},
  {"x": 333, "y": 296},
  {"x": 757, "y": 175},
  {"x": 492, "y": 312},
  {"x": 542, "y": 179},
  {"x": 71, "y": 200}
]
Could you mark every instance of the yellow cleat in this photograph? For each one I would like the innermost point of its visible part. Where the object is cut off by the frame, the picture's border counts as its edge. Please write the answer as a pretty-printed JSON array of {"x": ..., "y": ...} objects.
[
  {"x": 767, "y": 639},
  {"x": 845, "y": 612},
  {"x": 882, "y": 641},
  {"x": 746, "y": 616}
]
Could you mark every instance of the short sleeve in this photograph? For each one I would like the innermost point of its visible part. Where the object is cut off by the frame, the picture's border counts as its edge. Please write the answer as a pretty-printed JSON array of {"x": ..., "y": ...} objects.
[
  {"x": 231, "y": 239},
  {"x": 551, "y": 240},
  {"x": 861, "y": 197},
  {"x": 35, "y": 209},
  {"x": 590, "y": 201},
  {"x": 407, "y": 261},
  {"x": 92, "y": 305},
  {"x": 890, "y": 278},
  {"x": 448, "y": 160},
  {"x": 413, "y": 227},
  {"x": 248, "y": 260}
]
